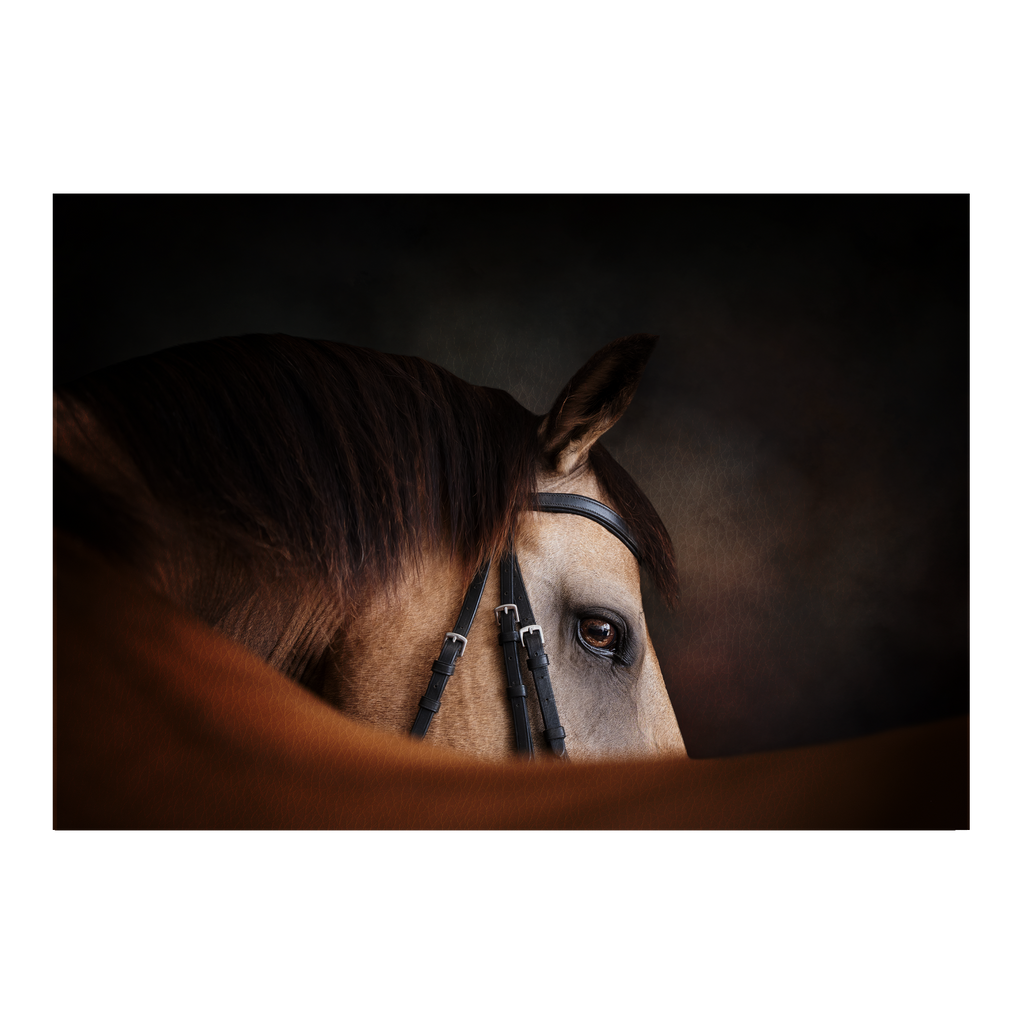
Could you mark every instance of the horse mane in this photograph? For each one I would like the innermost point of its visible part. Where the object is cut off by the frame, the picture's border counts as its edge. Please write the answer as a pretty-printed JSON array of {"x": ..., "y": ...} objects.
[
  {"x": 656, "y": 549},
  {"x": 341, "y": 461}
]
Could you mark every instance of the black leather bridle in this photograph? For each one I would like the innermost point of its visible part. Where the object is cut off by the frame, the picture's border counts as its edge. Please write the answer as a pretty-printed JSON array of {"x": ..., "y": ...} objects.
[{"x": 516, "y": 625}]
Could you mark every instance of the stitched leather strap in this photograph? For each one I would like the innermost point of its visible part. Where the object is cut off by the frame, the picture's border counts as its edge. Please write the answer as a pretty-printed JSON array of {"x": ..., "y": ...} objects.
[
  {"x": 508, "y": 621},
  {"x": 537, "y": 662},
  {"x": 580, "y": 505},
  {"x": 452, "y": 648}
]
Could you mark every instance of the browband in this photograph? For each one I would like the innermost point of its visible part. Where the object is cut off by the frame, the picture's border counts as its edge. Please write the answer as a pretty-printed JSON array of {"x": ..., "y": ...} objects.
[{"x": 580, "y": 505}]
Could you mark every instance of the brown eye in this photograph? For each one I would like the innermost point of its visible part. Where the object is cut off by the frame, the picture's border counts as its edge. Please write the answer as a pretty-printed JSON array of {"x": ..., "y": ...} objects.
[{"x": 599, "y": 634}]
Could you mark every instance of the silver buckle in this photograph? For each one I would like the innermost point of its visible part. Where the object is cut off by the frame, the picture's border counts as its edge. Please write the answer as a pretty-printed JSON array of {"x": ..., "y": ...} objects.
[
  {"x": 457, "y": 637},
  {"x": 530, "y": 629},
  {"x": 504, "y": 608}
]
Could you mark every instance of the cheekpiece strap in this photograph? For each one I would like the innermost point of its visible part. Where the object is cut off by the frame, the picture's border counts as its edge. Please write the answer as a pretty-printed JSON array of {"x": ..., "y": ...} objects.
[
  {"x": 454, "y": 646},
  {"x": 537, "y": 662},
  {"x": 509, "y": 616}
]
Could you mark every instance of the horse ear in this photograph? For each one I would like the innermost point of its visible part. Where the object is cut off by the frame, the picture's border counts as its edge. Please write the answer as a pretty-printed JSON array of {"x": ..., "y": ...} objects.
[{"x": 593, "y": 401}]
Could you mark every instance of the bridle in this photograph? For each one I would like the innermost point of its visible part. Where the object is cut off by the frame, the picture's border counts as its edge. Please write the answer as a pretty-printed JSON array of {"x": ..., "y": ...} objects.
[{"x": 516, "y": 625}]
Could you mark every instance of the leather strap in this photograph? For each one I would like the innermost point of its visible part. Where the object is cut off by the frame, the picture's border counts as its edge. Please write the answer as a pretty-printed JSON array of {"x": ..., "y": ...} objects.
[
  {"x": 537, "y": 662},
  {"x": 508, "y": 623},
  {"x": 580, "y": 505},
  {"x": 454, "y": 646}
]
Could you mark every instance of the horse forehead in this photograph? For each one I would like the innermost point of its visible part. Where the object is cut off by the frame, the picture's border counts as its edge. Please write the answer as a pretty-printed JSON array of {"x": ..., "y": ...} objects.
[{"x": 579, "y": 553}]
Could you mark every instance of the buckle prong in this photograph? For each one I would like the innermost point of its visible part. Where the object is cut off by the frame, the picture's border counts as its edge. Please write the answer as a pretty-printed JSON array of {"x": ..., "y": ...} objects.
[
  {"x": 457, "y": 637},
  {"x": 504, "y": 608},
  {"x": 530, "y": 629}
]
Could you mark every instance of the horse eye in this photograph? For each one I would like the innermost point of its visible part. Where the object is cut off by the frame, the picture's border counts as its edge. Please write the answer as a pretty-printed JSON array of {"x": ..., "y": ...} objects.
[{"x": 599, "y": 634}]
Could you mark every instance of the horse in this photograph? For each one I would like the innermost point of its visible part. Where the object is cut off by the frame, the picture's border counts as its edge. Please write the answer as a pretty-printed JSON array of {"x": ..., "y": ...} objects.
[{"x": 328, "y": 507}]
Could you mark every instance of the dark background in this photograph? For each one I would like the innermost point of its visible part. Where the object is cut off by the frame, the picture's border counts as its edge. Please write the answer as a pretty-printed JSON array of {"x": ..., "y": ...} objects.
[{"x": 802, "y": 426}]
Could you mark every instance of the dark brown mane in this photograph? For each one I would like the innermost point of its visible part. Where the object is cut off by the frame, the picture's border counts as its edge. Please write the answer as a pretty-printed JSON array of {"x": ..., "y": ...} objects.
[
  {"x": 635, "y": 507},
  {"x": 344, "y": 460}
]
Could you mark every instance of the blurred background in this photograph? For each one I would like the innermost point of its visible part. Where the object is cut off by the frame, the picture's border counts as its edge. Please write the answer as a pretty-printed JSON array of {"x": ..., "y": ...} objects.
[{"x": 802, "y": 426}]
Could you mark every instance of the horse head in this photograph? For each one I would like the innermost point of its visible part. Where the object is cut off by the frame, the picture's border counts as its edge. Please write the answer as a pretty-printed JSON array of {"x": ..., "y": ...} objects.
[{"x": 584, "y": 587}]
